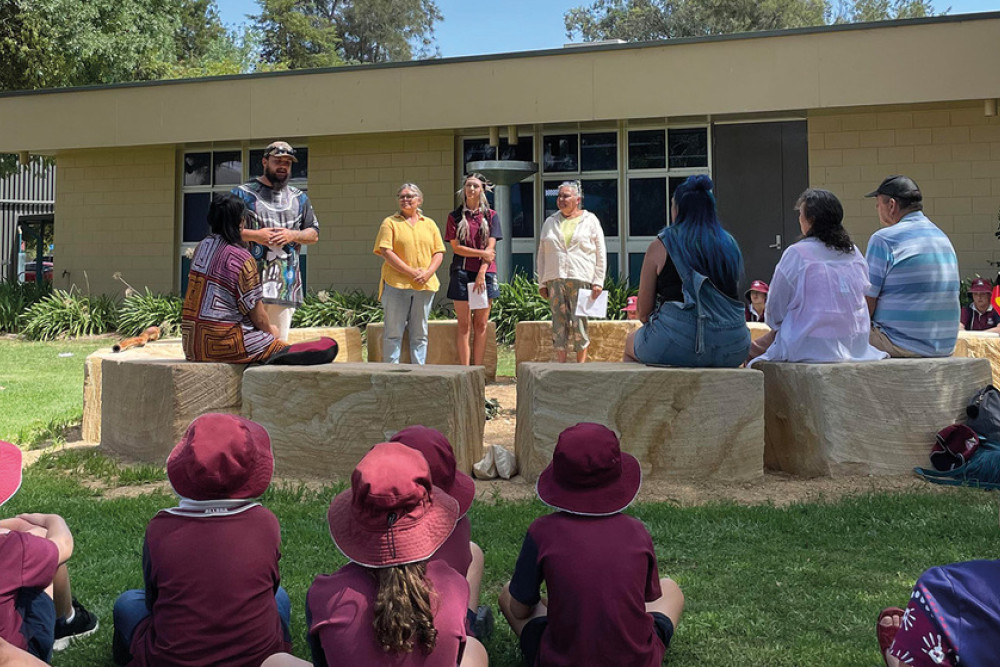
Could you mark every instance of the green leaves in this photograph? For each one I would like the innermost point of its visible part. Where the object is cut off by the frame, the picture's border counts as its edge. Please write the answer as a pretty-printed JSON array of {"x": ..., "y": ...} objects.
[
  {"x": 70, "y": 314},
  {"x": 143, "y": 310}
]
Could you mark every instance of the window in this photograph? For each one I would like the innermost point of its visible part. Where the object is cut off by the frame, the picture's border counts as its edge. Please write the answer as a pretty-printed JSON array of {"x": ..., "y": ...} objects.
[
  {"x": 560, "y": 153},
  {"x": 647, "y": 149},
  {"x": 647, "y": 206},
  {"x": 688, "y": 148},
  {"x": 599, "y": 151}
]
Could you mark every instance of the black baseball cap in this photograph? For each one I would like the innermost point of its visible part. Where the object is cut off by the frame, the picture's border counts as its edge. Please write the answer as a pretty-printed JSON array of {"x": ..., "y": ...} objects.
[
  {"x": 900, "y": 187},
  {"x": 280, "y": 149}
]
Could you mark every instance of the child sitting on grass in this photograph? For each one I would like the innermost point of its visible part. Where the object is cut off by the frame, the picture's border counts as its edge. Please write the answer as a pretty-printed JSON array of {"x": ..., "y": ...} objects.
[
  {"x": 38, "y": 613},
  {"x": 606, "y": 603},
  {"x": 210, "y": 564},
  {"x": 459, "y": 551}
]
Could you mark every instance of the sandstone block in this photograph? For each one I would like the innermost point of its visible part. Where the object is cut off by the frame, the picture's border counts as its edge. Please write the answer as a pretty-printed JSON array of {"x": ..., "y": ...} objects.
[
  {"x": 348, "y": 340},
  {"x": 681, "y": 423},
  {"x": 440, "y": 345},
  {"x": 533, "y": 340},
  {"x": 980, "y": 345},
  {"x": 91, "y": 429},
  {"x": 872, "y": 418},
  {"x": 147, "y": 404},
  {"x": 757, "y": 329},
  {"x": 323, "y": 419}
]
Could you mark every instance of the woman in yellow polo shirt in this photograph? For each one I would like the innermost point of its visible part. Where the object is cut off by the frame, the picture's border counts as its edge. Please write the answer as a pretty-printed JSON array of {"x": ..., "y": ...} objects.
[{"x": 411, "y": 245}]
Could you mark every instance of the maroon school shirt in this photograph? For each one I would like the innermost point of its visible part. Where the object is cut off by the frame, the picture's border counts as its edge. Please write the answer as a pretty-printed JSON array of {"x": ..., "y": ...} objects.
[
  {"x": 973, "y": 320},
  {"x": 210, "y": 583},
  {"x": 26, "y": 561},
  {"x": 472, "y": 264},
  {"x": 455, "y": 551},
  {"x": 341, "y": 608},
  {"x": 599, "y": 572}
]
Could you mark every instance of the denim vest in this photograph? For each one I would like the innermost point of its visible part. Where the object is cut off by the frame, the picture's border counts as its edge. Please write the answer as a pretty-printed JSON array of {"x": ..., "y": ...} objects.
[{"x": 707, "y": 329}]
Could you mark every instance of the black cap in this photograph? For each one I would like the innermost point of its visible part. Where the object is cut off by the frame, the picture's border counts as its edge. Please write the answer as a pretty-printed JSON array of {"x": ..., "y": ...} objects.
[{"x": 900, "y": 187}]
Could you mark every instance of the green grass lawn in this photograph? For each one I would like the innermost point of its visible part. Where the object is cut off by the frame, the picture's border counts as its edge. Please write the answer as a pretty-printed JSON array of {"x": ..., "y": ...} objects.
[{"x": 767, "y": 586}]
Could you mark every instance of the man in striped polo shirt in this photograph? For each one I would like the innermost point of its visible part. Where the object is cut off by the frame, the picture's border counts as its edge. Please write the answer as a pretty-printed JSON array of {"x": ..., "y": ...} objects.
[{"x": 913, "y": 298}]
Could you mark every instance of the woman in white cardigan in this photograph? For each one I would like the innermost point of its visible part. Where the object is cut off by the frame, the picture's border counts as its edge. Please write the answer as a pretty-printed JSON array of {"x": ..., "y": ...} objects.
[{"x": 571, "y": 257}]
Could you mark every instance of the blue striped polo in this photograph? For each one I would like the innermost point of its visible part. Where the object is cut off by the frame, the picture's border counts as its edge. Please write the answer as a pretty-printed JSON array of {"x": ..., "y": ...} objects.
[{"x": 914, "y": 274}]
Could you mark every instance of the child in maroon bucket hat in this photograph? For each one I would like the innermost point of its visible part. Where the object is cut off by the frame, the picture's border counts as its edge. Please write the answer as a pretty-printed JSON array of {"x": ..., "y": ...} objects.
[
  {"x": 210, "y": 564},
  {"x": 38, "y": 613},
  {"x": 606, "y": 603},
  {"x": 979, "y": 315},
  {"x": 459, "y": 551},
  {"x": 393, "y": 604}
]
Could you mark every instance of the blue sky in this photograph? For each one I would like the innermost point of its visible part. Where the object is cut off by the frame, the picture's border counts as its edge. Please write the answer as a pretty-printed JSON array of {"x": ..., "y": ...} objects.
[{"x": 518, "y": 25}]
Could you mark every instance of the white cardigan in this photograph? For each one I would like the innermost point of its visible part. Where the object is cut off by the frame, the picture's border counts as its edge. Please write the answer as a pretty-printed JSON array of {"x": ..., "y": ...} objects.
[{"x": 584, "y": 259}]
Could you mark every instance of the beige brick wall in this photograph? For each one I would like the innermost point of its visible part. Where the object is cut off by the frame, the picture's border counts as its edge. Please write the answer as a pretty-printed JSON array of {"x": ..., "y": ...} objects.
[
  {"x": 951, "y": 150},
  {"x": 115, "y": 212},
  {"x": 352, "y": 186}
]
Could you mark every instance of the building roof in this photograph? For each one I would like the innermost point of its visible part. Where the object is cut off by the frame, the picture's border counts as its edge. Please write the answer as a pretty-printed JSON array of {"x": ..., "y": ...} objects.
[{"x": 939, "y": 59}]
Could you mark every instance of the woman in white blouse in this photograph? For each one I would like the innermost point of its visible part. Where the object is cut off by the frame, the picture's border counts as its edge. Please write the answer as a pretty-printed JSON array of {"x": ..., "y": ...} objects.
[
  {"x": 816, "y": 303},
  {"x": 571, "y": 257}
]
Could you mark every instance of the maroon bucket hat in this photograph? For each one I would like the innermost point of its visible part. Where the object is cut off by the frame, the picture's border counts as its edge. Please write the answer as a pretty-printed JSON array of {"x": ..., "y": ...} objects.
[
  {"x": 441, "y": 458},
  {"x": 392, "y": 514},
  {"x": 589, "y": 474},
  {"x": 221, "y": 457},
  {"x": 10, "y": 470}
]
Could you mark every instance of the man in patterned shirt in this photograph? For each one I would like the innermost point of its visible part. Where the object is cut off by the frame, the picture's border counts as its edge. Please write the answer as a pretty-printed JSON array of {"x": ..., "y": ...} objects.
[
  {"x": 913, "y": 271},
  {"x": 280, "y": 220}
]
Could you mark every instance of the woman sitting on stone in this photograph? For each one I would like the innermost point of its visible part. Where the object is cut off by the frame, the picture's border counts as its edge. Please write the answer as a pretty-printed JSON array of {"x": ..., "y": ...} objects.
[
  {"x": 688, "y": 295},
  {"x": 223, "y": 319},
  {"x": 816, "y": 302}
]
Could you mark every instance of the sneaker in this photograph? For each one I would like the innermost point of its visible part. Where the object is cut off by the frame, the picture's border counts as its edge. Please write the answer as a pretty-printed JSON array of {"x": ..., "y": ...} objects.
[
  {"x": 84, "y": 623},
  {"x": 482, "y": 627}
]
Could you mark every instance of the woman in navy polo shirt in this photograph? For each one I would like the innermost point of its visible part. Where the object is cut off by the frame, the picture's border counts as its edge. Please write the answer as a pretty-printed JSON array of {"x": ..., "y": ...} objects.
[{"x": 473, "y": 231}]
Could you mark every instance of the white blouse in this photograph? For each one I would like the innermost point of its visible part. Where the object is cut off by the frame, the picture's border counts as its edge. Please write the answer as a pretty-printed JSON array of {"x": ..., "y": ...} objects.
[{"x": 816, "y": 305}]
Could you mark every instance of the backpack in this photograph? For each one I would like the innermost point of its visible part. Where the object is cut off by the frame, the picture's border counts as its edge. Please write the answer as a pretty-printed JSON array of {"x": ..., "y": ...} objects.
[
  {"x": 954, "y": 446},
  {"x": 983, "y": 413},
  {"x": 981, "y": 471}
]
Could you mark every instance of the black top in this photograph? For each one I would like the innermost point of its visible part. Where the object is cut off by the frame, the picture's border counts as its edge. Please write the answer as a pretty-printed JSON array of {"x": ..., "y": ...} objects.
[{"x": 668, "y": 284}]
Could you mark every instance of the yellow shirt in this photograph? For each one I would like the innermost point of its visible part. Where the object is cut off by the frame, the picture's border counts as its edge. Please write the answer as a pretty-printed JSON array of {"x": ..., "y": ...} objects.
[
  {"x": 414, "y": 244},
  {"x": 568, "y": 226}
]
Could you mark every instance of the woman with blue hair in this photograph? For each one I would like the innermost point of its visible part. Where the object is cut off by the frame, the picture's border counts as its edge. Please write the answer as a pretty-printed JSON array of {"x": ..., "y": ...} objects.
[{"x": 688, "y": 294}]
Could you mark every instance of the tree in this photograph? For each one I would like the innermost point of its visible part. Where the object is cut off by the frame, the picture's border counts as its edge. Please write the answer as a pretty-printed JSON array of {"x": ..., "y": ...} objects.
[
  {"x": 308, "y": 33},
  {"x": 641, "y": 20}
]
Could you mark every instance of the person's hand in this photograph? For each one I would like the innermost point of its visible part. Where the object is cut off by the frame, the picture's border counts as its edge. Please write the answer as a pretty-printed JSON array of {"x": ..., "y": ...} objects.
[
  {"x": 276, "y": 332},
  {"x": 480, "y": 285},
  {"x": 595, "y": 291},
  {"x": 544, "y": 291},
  {"x": 279, "y": 236},
  {"x": 420, "y": 277},
  {"x": 489, "y": 256},
  {"x": 16, "y": 525}
]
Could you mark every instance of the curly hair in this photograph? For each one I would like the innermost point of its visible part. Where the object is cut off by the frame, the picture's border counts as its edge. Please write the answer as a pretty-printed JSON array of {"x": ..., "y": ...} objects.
[
  {"x": 824, "y": 211},
  {"x": 403, "y": 614}
]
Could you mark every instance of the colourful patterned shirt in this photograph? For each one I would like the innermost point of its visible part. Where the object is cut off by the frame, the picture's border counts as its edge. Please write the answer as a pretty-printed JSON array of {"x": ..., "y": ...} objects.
[{"x": 289, "y": 207}]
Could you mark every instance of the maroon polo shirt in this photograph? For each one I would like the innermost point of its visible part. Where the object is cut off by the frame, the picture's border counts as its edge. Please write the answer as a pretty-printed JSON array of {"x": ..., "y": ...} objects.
[
  {"x": 599, "y": 572},
  {"x": 455, "y": 551},
  {"x": 341, "y": 608},
  {"x": 210, "y": 585},
  {"x": 973, "y": 320},
  {"x": 26, "y": 561}
]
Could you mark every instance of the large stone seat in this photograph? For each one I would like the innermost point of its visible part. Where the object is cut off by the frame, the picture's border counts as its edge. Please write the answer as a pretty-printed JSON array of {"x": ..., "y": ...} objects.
[
  {"x": 877, "y": 417},
  {"x": 979, "y": 345},
  {"x": 682, "y": 424},
  {"x": 349, "y": 350},
  {"x": 441, "y": 348},
  {"x": 533, "y": 339},
  {"x": 147, "y": 403},
  {"x": 323, "y": 419}
]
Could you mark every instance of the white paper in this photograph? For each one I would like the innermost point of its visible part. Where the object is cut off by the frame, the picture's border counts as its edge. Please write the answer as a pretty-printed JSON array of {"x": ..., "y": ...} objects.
[
  {"x": 477, "y": 300},
  {"x": 589, "y": 307}
]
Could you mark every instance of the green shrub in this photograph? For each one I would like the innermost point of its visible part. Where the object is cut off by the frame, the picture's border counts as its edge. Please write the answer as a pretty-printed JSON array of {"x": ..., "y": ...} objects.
[
  {"x": 338, "y": 309},
  {"x": 618, "y": 293},
  {"x": 15, "y": 299},
  {"x": 142, "y": 310},
  {"x": 519, "y": 301},
  {"x": 69, "y": 315}
]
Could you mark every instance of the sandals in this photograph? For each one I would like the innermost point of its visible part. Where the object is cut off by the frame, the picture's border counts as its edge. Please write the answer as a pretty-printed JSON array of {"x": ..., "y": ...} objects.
[{"x": 886, "y": 633}]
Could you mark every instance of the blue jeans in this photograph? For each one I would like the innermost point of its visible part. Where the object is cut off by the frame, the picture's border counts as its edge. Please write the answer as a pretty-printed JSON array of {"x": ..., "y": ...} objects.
[
  {"x": 38, "y": 621},
  {"x": 130, "y": 609},
  {"x": 405, "y": 310}
]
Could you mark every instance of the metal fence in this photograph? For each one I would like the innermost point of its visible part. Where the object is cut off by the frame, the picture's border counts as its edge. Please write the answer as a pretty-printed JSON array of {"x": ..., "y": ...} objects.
[{"x": 31, "y": 190}]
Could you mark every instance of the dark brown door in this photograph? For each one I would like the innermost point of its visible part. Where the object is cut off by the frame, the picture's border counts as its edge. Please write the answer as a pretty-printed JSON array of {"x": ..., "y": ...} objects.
[{"x": 760, "y": 169}]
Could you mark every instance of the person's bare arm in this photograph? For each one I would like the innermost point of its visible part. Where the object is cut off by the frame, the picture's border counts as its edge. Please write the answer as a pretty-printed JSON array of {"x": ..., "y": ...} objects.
[
  {"x": 872, "y": 302},
  {"x": 652, "y": 264},
  {"x": 260, "y": 320},
  {"x": 396, "y": 262},
  {"x": 261, "y": 236},
  {"x": 11, "y": 656},
  {"x": 425, "y": 274},
  {"x": 279, "y": 236},
  {"x": 521, "y": 610},
  {"x": 55, "y": 530},
  {"x": 486, "y": 255}
]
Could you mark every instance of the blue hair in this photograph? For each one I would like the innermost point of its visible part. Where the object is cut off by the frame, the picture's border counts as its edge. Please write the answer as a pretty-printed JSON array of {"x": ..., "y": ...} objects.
[{"x": 703, "y": 244}]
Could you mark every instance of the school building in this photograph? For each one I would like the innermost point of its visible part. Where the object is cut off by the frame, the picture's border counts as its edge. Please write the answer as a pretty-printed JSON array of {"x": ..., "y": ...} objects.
[{"x": 766, "y": 114}]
